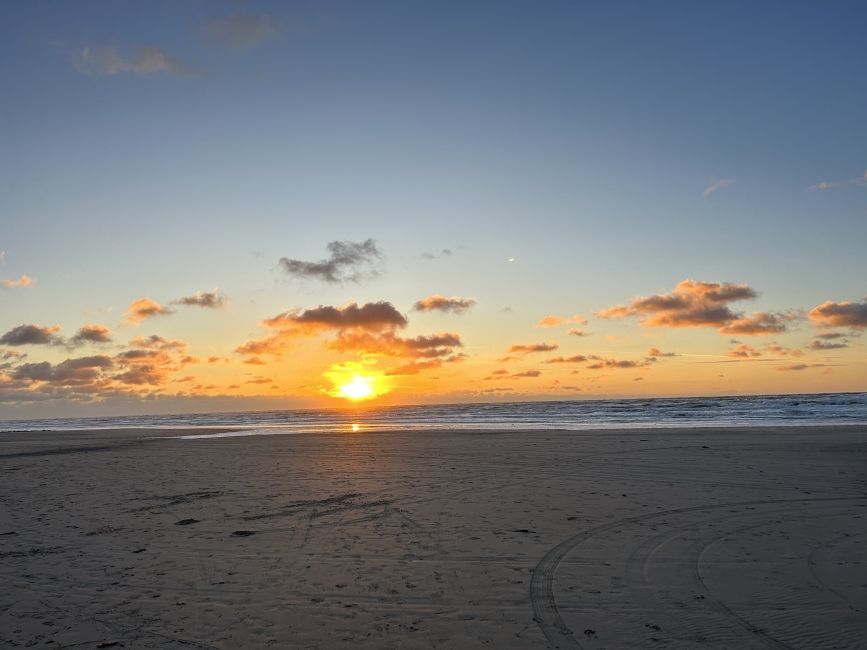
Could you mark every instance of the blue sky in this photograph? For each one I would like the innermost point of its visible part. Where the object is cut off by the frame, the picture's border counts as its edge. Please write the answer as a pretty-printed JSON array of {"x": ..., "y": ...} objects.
[{"x": 581, "y": 139}]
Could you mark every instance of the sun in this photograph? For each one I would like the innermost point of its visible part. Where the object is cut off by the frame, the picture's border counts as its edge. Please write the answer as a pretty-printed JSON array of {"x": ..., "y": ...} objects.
[{"x": 358, "y": 387}]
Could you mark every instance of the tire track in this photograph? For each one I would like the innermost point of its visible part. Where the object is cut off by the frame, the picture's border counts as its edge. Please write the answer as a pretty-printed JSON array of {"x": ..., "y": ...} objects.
[{"x": 542, "y": 599}]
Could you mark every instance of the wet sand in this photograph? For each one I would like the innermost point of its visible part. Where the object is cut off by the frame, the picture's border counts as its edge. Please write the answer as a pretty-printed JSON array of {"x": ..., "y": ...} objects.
[{"x": 725, "y": 538}]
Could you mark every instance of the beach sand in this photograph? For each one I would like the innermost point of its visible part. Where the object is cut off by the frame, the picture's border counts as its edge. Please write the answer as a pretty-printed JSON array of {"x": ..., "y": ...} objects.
[{"x": 717, "y": 538}]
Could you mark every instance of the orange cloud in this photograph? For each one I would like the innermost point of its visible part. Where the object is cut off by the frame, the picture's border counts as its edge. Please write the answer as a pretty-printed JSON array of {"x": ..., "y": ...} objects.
[
  {"x": 454, "y": 305},
  {"x": 92, "y": 333},
  {"x": 840, "y": 314},
  {"x": 17, "y": 283},
  {"x": 143, "y": 308},
  {"x": 759, "y": 323},
  {"x": 556, "y": 321}
]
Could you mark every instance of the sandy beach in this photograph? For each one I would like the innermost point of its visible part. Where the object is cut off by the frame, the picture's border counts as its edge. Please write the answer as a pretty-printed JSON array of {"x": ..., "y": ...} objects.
[{"x": 717, "y": 538}]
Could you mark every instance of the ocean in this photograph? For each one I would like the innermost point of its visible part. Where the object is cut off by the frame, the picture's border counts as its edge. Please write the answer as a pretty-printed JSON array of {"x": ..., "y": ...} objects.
[{"x": 756, "y": 410}]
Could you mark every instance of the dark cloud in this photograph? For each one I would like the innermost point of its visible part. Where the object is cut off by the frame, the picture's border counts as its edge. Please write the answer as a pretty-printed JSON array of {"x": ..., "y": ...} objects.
[
  {"x": 529, "y": 348},
  {"x": 31, "y": 335},
  {"x": 155, "y": 342},
  {"x": 578, "y": 358},
  {"x": 371, "y": 316},
  {"x": 347, "y": 262},
  {"x": 92, "y": 333},
  {"x": 241, "y": 31},
  {"x": 760, "y": 323},
  {"x": 614, "y": 364},
  {"x": 525, "y": 373},
  {"x": 840, "y": 314},
  {"x": 454, "y": 305},
  {"x": 208, "y": 299},
  {"x": 818, "y": 344}
]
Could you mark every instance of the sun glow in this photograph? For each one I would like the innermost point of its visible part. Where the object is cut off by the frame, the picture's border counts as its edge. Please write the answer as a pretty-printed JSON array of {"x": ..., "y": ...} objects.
[
  {"x": 357, "y": 388},
  {"x": 356, "y": 382}
]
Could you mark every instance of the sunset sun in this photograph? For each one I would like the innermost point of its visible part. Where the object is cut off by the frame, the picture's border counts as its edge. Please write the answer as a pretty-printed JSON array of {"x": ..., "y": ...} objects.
[{"x": 357, "y": 388}]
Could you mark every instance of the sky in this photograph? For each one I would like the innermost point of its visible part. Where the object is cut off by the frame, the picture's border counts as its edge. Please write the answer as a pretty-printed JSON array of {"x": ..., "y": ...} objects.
[{"x": 241, "y": 205}]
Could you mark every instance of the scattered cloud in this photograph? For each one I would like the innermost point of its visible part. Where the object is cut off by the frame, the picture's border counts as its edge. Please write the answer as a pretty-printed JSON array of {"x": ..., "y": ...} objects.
[
  {"x": 829, "y": 185},
  {"x": 656, "y": 353},
  {"x": 143, "y": 308},
  {"x": 796, "y": 367},
  {"x": 530, "y": 348},
  {"x": 155, "y": 342},
  {"x": 347, "y": 262},
  {"x": 819, "y": 344},
  {"x": 241, "y": 31},
  {"x": 840, "y": 314},
  {"x": 32, "y": 335},
  {"x": 446, "y": 252},
  {"x": 744, "y": 351},
  {"x": 760, "y": 323},
  {"x": 454, "y": 305},
  {"x": 91, "y": 333},
  {"x": 556, "y": 321},
  {"x": 208, "y": 299},
  {"x": 614, "y": 364},
  {"x": 716, "y": 186},
  {"x": 16, "y": 283},
  {"x": 578, "y": 358},
  {"x": 108, "y": 61},
  {"x": 703, "y": 304},
  {"x": 525, "y": 373},
  {"x": 574, "y": 331},
  {"x": 371, "y": 316}
]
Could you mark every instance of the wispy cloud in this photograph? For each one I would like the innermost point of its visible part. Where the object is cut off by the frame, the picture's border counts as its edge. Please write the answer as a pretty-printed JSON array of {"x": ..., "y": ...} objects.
[
  {"x": 208, "y": 300},
  {"x": 347, "y": 262},
  {"x": 716, "y": 186},
  {"x": 830, "y": 185},
  {"x": 108, "y": 61},
  {"x": 454, "y": 305},
  {"x": 17, "y": 283},
  {"x": 241, "y": 31}
]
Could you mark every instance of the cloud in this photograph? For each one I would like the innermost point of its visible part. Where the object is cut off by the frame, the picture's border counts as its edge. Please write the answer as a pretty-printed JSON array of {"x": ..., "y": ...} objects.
[
  {"x": 818, "y": 344},
  {"x": 840, "y": 314},
  {"x": 578, "y": 332},
  {"x": 17, "y": 283},
  {"x": 703, "y": 304},
  {"x": 143, "y": 308},
  {"x": 446, "y": 252},
  {"x": 241, "y": 31},
  {"x": 155, "y": 342},
  {"x": 347, "y": 262},
  {"x": 774, "y": 348},
  {"x": 31, "y": 335},
  {"x": 578, "y": 358},
  {"x": 530, "y": 348},
  {"x": 556, "y": 321},
  {"x": 525, "y": 373},
  {"x": 454, "y": 305},
  {"x": 614, "y": 364},
  {"x": 716, "y": 186},
  {"x": 828, "y": 185},
  {"x": 744, "y": 351},
  {"x": 208, "y": 300},
  {"x": 656, "y": 353},
  {"x": 107, "y": 61},
  {"x": 391, "y": 345},
  {"x": 92, "y": 333},
  {"x": 415, "y": 367},
  {"x": 371, "y": 316},
  {"x": 796, "y": 367},
  {"x": 760, "y": 323}
]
